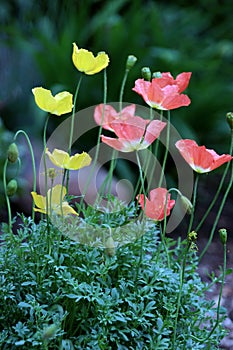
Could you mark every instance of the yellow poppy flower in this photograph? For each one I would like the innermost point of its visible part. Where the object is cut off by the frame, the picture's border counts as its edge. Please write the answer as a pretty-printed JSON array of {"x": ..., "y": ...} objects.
[
  {"x": 64, "y": 160},
  {"x": 59, "y": 104},
  {"x": 55, "y": 202},
  {"x": 86, "y": 62}
]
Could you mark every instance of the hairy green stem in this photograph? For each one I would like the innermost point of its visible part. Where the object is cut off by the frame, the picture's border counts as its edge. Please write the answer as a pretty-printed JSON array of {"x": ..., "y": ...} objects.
[
  {"x": 218, "y": 215},
  {"x": 167, "y": 148},
  {"x": 194, "y": 203},
  {"x": 7, "y": 198},
  {"x": 98, "y": 141},
  {"x": 182, "y": 274},
  {"x": 33, "y": 165}
]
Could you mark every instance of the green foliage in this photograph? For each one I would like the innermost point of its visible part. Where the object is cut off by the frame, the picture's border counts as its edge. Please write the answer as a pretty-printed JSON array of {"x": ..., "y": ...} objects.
[{"x": 58, "y": 294}]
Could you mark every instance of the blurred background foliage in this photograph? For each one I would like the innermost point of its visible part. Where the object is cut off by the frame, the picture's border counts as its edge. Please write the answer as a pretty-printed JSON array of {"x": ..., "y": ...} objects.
[{"x": 36, "y": 48}]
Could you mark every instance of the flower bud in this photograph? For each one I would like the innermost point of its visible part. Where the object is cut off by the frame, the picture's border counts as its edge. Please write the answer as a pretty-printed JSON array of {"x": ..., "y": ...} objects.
[
  {"x": 192, "y": 236},
  {"x": 52, "y": 173},
  {"x": 156, "y": 75},
  {"x": 110, "y": 246},
  {"x": 186, "y": 204},
  {"x": 223, "y": 235},
  {"x": 131, "y": 60},
  {"x": 146, "y": 73},
  {"x": 11, "y": 187},
  {"x": 230, "y": 119},
  {"x": 12, "y": 153}
]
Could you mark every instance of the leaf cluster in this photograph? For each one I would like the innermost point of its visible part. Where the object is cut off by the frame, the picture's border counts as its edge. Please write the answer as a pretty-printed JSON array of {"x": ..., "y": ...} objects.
[{"x": 56, "y": 293}]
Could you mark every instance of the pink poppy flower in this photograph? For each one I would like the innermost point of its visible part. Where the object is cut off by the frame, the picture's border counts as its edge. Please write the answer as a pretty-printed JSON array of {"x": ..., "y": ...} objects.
[
  {"x": 133, "y": 134},
  {"x": 105, "y": 114},
  {"x": 164, "y": 93},
  {"x": 155, "y": 205},
  {"x": 201, "y": 159}
]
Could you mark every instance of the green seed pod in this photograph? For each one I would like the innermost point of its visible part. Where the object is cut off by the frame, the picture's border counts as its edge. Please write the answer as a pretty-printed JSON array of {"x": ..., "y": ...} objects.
[
  {"x": 110, "y": 246},
  {"x": 146, "y": 73},
  {"x": 230, "y": 119},
  {"x": 223, "y": 235},
  {"x": 131, "y": 60},
  {"x": 12, "y": 153},
  {"x": 186, "y": 204},
  {"x": 11, "y": 187},
  {"x": 156, "y": 75}
]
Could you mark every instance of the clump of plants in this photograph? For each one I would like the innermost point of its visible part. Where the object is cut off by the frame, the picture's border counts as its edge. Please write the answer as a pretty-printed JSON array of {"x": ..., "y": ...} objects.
[{"x": 102, "y": 273}]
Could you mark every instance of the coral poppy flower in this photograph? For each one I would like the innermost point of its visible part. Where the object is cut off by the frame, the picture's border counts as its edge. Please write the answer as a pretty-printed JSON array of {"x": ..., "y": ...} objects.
[
  {"x": 134, "y": 134},
  {"x": 201, "y": 159},
  {"x": 85, "y": 61},
  {"x": 56, "y": 202},
  {"x": 59, "y": 104},
  {"x": 105, "y": 115},
  {"x": 164, "y": 92},
  {"x": 155, "y": 206},
  {"x": 64, "y": 160}
]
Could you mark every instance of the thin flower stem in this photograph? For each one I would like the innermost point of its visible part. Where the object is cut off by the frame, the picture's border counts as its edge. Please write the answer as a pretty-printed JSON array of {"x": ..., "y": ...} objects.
[
  {"x": 123, "y": 88},
  {"x": 98, "y": 141},
  {"x": 167, "y": 148},
  {"x": 182, "y": 274},
  {"x": 46, "y": 172},
  {"x": 218, "y": 190},
  {"x": 218, "y": 215},
  {"x": 72, "y": 128},
  {"x": 219, "y": 297},
  {"x": 33, "y": 165},
  {"x": 7, "y": 198},
  {"x": 194, "y": 203},
  {"x": 141, "y": 176}
]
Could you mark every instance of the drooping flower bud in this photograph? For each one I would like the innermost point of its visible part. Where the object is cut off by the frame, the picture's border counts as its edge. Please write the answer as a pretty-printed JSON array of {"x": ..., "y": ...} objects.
[
  {"x": 110, "y": 246},
  {"x": 192, "y": 236},
  {"x": 12, "y": 153},
  {"x": 11, "y": 187},
  {"x": 186, "y": 204},
  {"x": 146, "y": 73},
  {"x": 131, "y": 60},
  {"x": 230, "y": 119},
  {"x": 156, "y": 75},
  {"x": 223, "y": 235}
]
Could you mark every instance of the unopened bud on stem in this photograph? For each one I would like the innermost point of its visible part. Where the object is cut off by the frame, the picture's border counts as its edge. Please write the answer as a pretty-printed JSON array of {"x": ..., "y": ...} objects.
[
  {"x": 11, "y": 187},
  {"x": 131, "y": 60},
  {"x": 223, "y": 235},
  {"x": 146, "y": 73},
  {"x": 12, "y": 153},
  {"x": 230, "y": 119}
]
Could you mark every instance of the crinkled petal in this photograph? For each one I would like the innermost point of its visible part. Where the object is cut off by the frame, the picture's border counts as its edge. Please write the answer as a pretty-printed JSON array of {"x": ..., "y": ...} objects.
[
  {"x": 85, "y": 61},
  {"x": 58, "y": 157},
  {"x": 79, "y": 161},
  {"x": 59, "y": 104}
]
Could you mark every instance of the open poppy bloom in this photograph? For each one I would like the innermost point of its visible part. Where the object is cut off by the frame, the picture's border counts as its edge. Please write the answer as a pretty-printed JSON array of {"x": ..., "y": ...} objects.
[
  {"x": 59, "y": 104},
  {"x": 64, "y": 160},
  {"x": 155, "y": 206},
  {"x": 85, "y": 61},
  {"x": 56, "y": 202},
  {"x": 134, "y": 134},
  {"x": 201, "y": 159},
  {"x": 164, "y": 92},
  {"x": 105, "y": 115}
]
